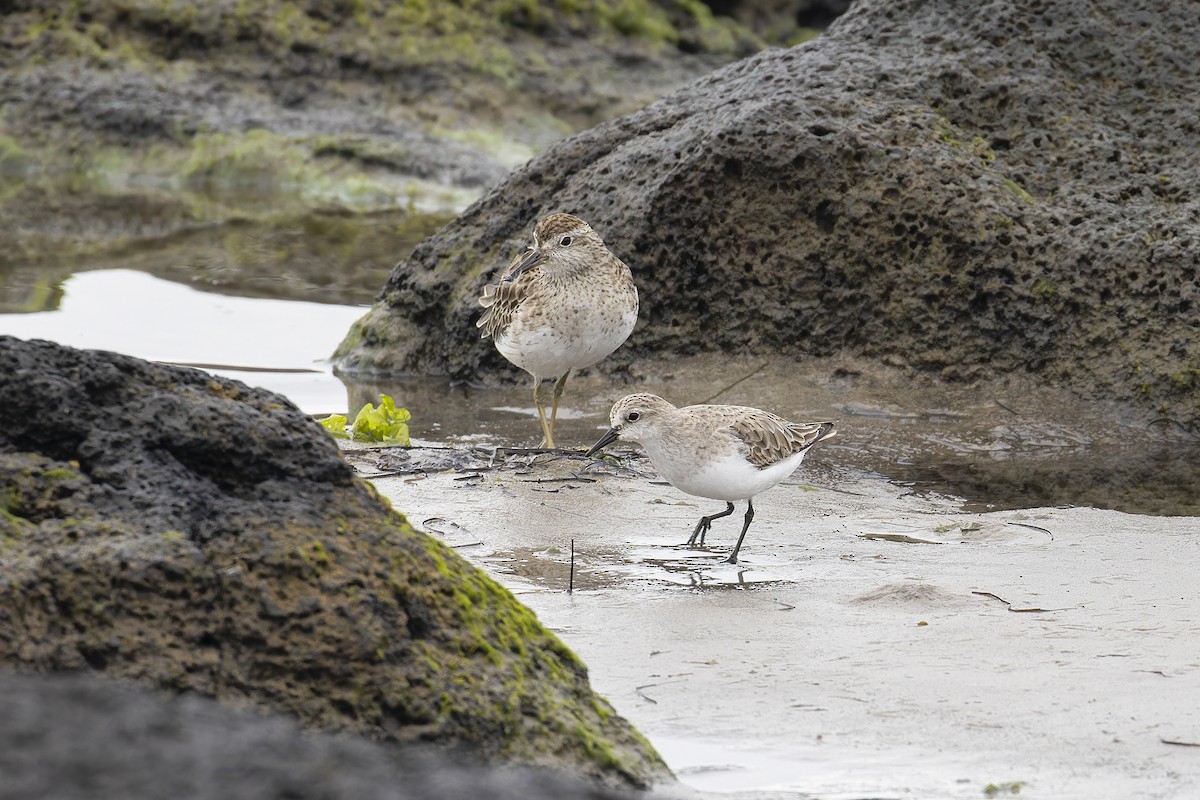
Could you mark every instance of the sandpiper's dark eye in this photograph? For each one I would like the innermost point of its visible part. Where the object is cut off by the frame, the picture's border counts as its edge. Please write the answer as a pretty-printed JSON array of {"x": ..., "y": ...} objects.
[
  {"x": 565, "y": 241},
  {"x": 634, "y": 416}
]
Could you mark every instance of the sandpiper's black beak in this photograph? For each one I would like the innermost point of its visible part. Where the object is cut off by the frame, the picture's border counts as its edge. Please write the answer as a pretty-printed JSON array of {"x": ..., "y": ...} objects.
[
  {"x": 531, "y": 259},
  {"x": 604, "y": 442}
]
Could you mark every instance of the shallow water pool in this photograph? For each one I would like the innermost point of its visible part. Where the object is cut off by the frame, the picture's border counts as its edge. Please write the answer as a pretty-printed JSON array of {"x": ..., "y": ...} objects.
[{"x": 281, "y": 345}]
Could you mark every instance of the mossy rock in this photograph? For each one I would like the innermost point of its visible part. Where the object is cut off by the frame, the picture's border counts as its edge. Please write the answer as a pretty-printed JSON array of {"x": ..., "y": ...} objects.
[{"x": 193, "y": 534}]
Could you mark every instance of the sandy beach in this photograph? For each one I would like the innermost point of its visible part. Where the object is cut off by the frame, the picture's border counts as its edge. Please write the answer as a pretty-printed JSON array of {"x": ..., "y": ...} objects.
[{"x": 874, "y": 641}]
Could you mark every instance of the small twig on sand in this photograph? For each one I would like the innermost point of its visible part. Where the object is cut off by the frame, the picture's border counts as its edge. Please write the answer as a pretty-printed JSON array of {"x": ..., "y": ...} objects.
[
  {"x": 903, "y": 538},
  {"x": 373, "y": 475},
  {"x": 558, "y": 480},
  {"x": 1017, "y": 610},
  {"x": 1034, "y": 527},
  {"x": 1179, "y": 743},
  {"x": 1006, "y": 408},
  {"x": 571, "y": 580},
  {"x": 534, "y": 451},
  {"x": 841, "y": 491},
  {"x": 529, "y": 451},
  {"x": 678, "y": 678},
  {"x": 645, "y": 696}
]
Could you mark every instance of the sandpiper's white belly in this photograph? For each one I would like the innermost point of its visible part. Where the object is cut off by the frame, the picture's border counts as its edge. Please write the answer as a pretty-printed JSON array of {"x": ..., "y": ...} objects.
[
  {"x": 549, "y": 351},
  {"x": 728, "y": 477}
]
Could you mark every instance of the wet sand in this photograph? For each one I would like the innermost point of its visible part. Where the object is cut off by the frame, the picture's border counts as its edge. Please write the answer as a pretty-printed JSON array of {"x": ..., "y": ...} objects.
[{"x": 874, "y": 641}]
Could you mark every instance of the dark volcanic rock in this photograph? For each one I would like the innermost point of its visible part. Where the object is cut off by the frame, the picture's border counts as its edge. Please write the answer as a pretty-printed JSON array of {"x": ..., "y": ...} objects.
[
  {"x": 193, "y": 534},
  {"x": 964, "y": 189},
  {"x": 80, "y": 736}
]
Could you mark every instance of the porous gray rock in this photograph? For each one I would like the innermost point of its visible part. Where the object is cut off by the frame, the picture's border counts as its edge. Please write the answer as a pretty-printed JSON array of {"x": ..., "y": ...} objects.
[
  {"x": 193, "y": 534},
  {"x": 962, "y": 189},
  {"x": 76, "y": 735}
]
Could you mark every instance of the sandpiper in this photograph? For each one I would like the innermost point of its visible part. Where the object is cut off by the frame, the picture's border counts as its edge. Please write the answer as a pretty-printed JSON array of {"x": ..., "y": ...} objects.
[
  {"x": 563, "y": 304},
  {"x": 722, "y": 452}
]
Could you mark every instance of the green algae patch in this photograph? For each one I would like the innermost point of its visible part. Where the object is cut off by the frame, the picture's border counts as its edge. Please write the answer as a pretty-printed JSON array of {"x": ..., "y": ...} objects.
[
  {"x": 37, "y": 488},
  {"x": 12, "y": 154},
  {"x": 353, "y": 337},
  {"x": 473, "y": 34},
  {"x": 639, "y": 18},
  {"x": 77, "y": 203},
  {"x": 360, "y": 173},
  {"x": 1019, "y": 191}
]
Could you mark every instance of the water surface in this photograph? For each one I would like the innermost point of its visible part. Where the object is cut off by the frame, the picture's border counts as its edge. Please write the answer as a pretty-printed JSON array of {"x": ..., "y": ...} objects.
[{"x": 281, "y": 345}]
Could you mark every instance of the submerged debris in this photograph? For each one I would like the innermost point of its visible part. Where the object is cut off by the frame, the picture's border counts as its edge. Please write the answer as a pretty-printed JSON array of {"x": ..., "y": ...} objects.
[{"x": 477, "y": 460}]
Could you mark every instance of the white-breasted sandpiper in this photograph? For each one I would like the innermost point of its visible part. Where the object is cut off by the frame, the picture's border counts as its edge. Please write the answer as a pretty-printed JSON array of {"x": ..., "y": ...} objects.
[
  {"x": 561, "y": 305},
  {"x": 721, "y": 452}
]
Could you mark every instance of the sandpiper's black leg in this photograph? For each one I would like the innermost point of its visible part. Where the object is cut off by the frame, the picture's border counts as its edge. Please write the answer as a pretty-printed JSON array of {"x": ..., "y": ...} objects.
[
  {"x": 706, "y": 522},
  {"x": 749, "y": 516}
]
